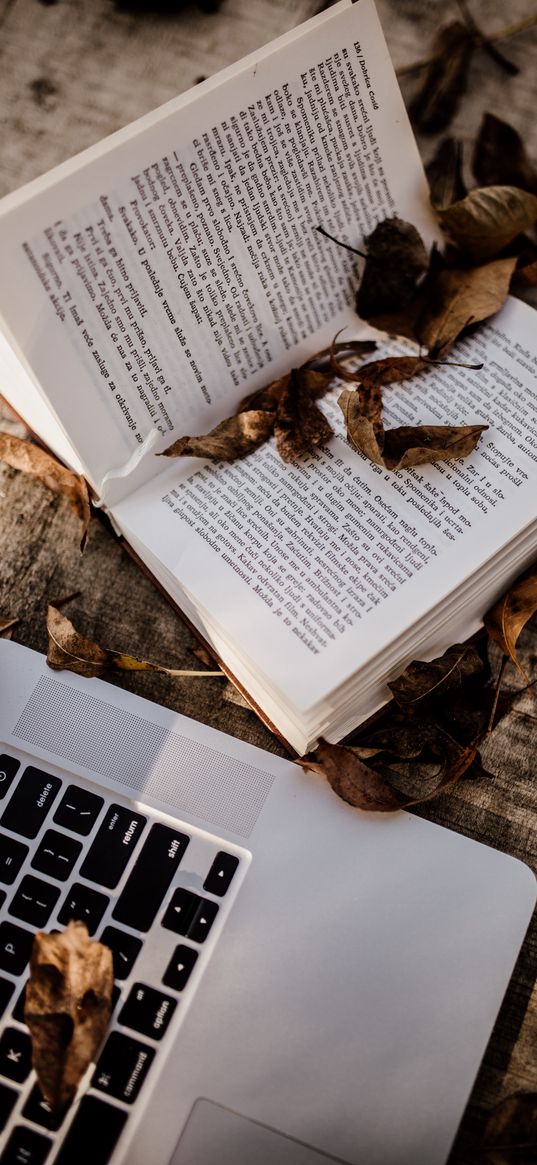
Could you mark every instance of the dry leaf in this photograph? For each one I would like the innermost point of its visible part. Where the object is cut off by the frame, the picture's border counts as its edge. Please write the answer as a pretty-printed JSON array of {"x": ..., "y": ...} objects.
[
  {"x": 339, "y": 347},
  {"x": 445, "y": 79},
  {"x": 419, "y": 681},
  {"x": 69, "y": 650},
  {"x": 407, "y": 445},
  {"x": 510, "y": 1136},
  {"x": 500, "y": 157},
  {"x": 390, "y": 370},
  {"x": 7, "y": 623},
  {"x": 300, "y": 425},
  {"x": 488, "y": 219},
  {"x": 231, "y": 440},
  {"x": 396, "y": 260},
  {"x": 67, "y": 1008},
  {"x": 509, "y": 615},
  {"x": 33, "y": 460},
  {"x": 444, "y": 174},
  {"x": 459, "y": 297}
]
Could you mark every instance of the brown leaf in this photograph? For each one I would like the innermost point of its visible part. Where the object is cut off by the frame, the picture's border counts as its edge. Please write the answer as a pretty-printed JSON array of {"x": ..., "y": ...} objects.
[
  {"x": 445, "y": 79},
  {"x": 510, "y": 1136},
  {"x": 407, "y": 445},
  {"x": 7, "y": 623},
  {"x": 509, "y": 615},
  {"x": 459, "y": 297},
  {"x": 488, "y": 219},
  {"x": 33, "y": 460},
  {"x": 500, "y": 157},
  {"x": 300, "y": 425},
  {"x": 69, "y": 650},
  {"x": 231, "y": 440},
  {"x": 444, "y": 174},
  {"x": 390, "y": 370},
  {"x": 352, "y": 347},
  {"x": 365, "y": 788},
  {"x": 396, "y": 259},
  {"x": 440, "y": 676},
  {"x": 67, "y": 1009}
]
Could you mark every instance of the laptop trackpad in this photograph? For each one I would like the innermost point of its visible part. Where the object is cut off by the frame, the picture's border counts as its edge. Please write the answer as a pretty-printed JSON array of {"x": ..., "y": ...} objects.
[{"x": 217, "y": 1136}]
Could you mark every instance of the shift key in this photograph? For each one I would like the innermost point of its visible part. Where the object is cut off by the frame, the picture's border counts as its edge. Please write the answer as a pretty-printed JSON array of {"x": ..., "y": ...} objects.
[
  {"x": 113, "y": 845},
  {"x": 146, "y": 887}
]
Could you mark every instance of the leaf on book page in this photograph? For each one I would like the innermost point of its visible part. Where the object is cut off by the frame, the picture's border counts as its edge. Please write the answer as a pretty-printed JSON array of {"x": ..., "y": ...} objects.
[
  {"x": 407, "y": 445},
  {"x": 500, "y": 158},
  {"x": 509, "y": 615},
  {"x": 396, "y": 259},
  {"x": 231, "y": 440},
  {"x": 444, "y": 174},
  {"x": 300, "y": 425},
  {"x": 7, "y": 623},
  {"x": 458, "y": 297},
  {"x": 338, "y": 347},
  {"x": 67, "y": 1008},
  {"x": 445, "y": 79},
  {"x": 488, "y": 219},
  {"x": 510, "y": 1136},
  {"x": 69, "y": 650},
  {"x": 450, "y": 671},
  {"x": 366, "y": 788},
  {"x": 36, "y": 462},
  {"x": 390, "y": 370}
]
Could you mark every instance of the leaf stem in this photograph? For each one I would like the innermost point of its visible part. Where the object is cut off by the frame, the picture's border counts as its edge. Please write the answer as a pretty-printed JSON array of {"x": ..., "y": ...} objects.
[
  {"x": 354, "y": 250},
  {"x": 497, "y": 690}
]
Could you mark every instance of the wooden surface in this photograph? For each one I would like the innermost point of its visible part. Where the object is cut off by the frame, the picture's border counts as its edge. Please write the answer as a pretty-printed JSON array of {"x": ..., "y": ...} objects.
[{"x": 70, "y": 72}]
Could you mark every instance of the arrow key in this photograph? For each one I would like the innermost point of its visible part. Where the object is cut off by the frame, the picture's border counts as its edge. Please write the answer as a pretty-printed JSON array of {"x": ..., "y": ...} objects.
[
  {"x": 179, "y": 968},
  {"x": 202, "y": 921}
]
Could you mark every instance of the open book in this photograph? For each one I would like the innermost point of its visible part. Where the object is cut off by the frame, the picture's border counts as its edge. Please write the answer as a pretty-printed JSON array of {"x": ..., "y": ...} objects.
[{"x": 149, "y": 284}]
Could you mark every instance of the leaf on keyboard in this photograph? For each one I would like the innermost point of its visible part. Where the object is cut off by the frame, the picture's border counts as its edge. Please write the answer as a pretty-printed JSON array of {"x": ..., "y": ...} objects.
[
  {"x": 31, "y": 459},
  {"x": 67, "y": 1009},
  {"x": 68, "y": 649}
]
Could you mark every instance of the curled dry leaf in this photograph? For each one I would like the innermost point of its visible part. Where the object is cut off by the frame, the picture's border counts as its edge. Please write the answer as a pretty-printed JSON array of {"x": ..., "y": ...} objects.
[
  {"x": 396, "y": 259},
  {"x": 7, "y": 623},
  {"x": 445, "y": 79},
  {"x": 458, "y": 297},
  {"x": 231, "y": 440},
  {"x": 390, "y": 370},
  {"x": 407, "y": 445},
  {"x": 509, "y": 615},
  {"x": 67, "y": 1008},
  {"x": 71, "y": 651},
  {"x": 300, "y": 426},
  {"x": 444, "y": 174},
  {"x": 450, "y": 671},
  {"x": 33, "y": 460},
  {"x": 510, "y": 1136},
  {"x": 500, "y": 157},
  {"x": 488, "y": 219}
]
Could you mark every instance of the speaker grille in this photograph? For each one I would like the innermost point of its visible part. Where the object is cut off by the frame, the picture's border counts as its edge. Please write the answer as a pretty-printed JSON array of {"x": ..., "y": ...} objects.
[{"x": 189, "y": 776}]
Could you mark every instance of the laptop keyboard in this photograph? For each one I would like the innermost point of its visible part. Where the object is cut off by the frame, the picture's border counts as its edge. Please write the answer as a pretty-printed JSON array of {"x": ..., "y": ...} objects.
[{"x": 155, "y": 890}]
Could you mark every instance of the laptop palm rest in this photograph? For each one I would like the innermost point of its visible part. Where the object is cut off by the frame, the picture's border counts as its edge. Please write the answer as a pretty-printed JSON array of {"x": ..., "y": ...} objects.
[{"x": 217, "y": 1136}]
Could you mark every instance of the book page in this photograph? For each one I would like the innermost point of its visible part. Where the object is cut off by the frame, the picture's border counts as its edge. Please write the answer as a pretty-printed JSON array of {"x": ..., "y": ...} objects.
[
  {"x": 173, "y": 275},
  {"x": 315, "y": 567}
]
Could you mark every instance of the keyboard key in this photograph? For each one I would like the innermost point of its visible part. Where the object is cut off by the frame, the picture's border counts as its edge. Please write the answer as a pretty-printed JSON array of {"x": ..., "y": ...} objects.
[
  {"x": 181, "y": 910},
  {"x": 85, "y": 905},
  {"x": 6, "y": 991},
  {"x": 34, "y": 901},
  {"x": 220, "y": 874},
  {"x": 78, "y": 810},
  {"x": 15, "y": 947},
  {"x": 93, "y": 1135},
  {"x": 147, "y": 1011},
  {"x": 38, "y": 1110},
  {"x": 12, "y": 855},
  {"x": 15, "y": 1054},
  {"x": 122, "y": 1067},
  {"x": 125, "y": 950},
  {"x": 8, "y": 1097},
  {"x": 113, "y": 845},
  {"x": 56, "y": 855},
  {"x": 3, "y": 896},
  {"x": 139, "y": 903},
  {"x": 31, "y": 802},
  {"x": 202, "y": 921},
  {"x": 26, "y": 1148},
  {"x": 9, "y": 767},
  {"x": 179, "y": 968}
]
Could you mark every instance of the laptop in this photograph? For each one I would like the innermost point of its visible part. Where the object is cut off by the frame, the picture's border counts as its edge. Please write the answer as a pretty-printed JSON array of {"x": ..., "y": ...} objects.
[{"x": 296, "y": 981}]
